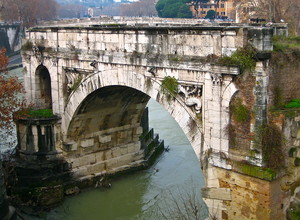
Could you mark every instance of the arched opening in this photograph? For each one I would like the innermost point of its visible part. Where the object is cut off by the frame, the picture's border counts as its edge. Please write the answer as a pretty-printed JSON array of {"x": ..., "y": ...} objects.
[
  {"x": 111, "y": 107},
  {"x": 101, "y": 121},
  {"x": 81, "y": 115},
  {"x": 43, "y": 94}
]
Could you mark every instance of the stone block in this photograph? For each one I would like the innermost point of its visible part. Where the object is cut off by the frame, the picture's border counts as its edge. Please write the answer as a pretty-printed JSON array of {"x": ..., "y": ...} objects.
[
  {"x": 96, "y": 168},
  {"x": 139, "y": 131},
  {"x": 126, "y": 159},
  {"x": 99, "y": 156},
  {"x": 82, "y": 171},
  {"x": 87, "y": 142},
  {"x": 124, "y": 150},
  {"x": 107, "y": 154},
  {"x": 116, "y": 151},
  {"x": 74, "y": 162},
  {"x": 216, "y": 193},
  {"x": 131, "y": 148},
  {"x": 104, "y": 139},
  {"x": 137, "y": 146},
  {"x": 122, "y": 134},
  {"x": 111, "y": 163},
  {"x": 86, "y": 160},
  {"x": 297, "y": 143},
  {"x": 298, "y": 134}
]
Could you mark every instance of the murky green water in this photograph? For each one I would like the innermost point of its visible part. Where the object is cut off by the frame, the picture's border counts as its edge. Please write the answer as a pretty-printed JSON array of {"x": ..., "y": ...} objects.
[{"x": 175, "y": 179}]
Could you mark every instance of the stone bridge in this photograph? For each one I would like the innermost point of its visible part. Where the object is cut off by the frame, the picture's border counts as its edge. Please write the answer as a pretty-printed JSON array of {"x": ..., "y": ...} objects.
[{"x": 98, "y": 76}]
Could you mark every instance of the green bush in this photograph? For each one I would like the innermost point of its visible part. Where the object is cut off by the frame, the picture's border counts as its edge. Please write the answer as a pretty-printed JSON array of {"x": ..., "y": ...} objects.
[
  {"x": 244, "y": 58},
  {"x": 169, "y": 86}
]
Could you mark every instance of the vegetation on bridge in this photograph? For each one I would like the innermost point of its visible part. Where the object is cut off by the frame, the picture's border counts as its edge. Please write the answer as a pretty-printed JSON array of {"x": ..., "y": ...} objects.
[
  {"x": 41, "y": 113},
  {"x": 169, "y": 86},
  {"x": 272, "y": 141},
  {"x": 239, "y": 111},
  {"x": 244, "y": 58}
]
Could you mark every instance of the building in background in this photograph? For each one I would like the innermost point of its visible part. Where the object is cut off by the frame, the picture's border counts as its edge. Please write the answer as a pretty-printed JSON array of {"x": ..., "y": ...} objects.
[{"x": 222, "y": 8}]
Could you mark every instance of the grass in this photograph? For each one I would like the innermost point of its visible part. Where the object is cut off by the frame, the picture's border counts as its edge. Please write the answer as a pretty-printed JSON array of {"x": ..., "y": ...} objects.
[
  {"x": 41, "y": 113},
  {"x": 295, "y": 103},
  {"x": 283, "y": 43}
]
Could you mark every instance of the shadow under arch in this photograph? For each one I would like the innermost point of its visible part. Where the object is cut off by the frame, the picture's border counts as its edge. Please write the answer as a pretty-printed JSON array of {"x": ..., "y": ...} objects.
[
  {"x": 149, "y": 87},
  {"x": 43, "y": 94}
]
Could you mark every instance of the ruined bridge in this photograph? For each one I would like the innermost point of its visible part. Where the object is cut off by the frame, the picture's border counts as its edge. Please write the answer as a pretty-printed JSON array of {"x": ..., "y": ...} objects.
[{"x": 98, "y": 77}]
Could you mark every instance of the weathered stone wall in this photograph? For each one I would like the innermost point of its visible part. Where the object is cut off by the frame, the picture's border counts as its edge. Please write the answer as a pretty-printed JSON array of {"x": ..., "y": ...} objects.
[
  {"x": 284, "y": 77},
  {"x": 241, "y": 196}
]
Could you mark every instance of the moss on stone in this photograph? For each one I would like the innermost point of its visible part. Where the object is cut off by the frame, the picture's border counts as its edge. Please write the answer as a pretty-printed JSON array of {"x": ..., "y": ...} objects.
[{"x": 255, "y": 171}]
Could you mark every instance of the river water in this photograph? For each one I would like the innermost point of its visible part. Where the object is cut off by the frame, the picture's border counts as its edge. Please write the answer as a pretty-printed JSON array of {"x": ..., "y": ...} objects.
[{"x": 153, "y": 194}]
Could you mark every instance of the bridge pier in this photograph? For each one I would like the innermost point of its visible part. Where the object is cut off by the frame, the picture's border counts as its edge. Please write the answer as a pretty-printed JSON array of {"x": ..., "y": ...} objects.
[{"x": 234, "y": 195}]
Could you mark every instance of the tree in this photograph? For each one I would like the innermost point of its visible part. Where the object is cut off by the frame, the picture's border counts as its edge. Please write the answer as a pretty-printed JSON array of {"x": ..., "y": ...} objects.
[
  {"x": 173, "y": 9},
  {"x": 272, "y": 11},
  {"x": 27, "y": 11},
  {"x": 211, "y": 14},
  {"x": 10, "y": 87}
]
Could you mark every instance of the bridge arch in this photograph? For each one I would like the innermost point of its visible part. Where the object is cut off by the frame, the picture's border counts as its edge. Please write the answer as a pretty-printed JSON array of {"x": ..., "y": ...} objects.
[{"x": 145, "y": 85}]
